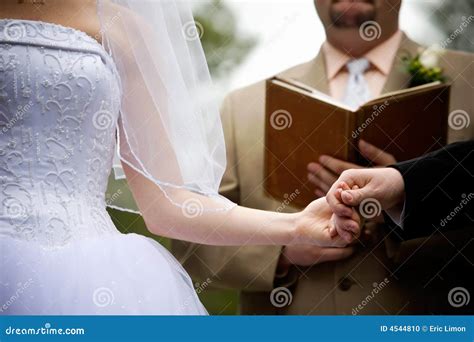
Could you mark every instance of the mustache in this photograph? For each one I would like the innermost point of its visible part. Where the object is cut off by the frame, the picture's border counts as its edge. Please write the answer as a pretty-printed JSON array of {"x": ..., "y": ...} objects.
[
  {"x": 342, "y": 20},
  {"x": 371, "y": 2}
]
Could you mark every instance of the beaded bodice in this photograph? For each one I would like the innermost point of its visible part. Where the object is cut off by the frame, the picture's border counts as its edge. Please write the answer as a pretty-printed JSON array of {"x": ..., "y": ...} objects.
[{"x": 59, "y": 103}]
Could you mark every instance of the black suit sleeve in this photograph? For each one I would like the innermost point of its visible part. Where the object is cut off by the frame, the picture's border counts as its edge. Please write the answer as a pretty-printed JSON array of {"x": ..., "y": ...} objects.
[{"x": 439, "y": 191}]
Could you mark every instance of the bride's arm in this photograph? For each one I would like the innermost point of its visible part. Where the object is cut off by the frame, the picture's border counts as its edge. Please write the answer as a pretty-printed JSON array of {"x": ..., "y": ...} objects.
[
  {"x": 238, "y": 226},
  {"x": 171, "y": 135}
]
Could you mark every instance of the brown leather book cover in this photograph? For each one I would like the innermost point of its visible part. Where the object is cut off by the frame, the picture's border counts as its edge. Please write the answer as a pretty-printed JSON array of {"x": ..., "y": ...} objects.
[{"x": 302, "y": 124}]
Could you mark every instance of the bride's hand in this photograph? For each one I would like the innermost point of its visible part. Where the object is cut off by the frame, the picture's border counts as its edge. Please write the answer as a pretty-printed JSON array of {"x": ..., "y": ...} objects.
[{"x": 316, "y": 225}]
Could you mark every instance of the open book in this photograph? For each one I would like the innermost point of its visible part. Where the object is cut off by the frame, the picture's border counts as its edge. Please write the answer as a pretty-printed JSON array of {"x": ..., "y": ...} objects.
[{"x": 303, "y": 123}]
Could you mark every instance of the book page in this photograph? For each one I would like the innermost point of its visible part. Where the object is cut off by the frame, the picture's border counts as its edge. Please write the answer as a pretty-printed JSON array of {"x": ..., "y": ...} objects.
[
  {"x": 398, "y": 93},
  {"x": 314, "y": 93}
]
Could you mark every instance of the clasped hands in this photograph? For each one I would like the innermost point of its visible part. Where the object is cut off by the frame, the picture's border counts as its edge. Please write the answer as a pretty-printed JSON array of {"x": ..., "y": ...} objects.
[{"x": 345, "y": 186}]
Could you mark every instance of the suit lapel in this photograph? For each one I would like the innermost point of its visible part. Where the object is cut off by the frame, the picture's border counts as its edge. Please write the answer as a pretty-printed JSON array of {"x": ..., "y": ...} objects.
[
  {"x": 315, "y": 75},
  {"x": 399, "y": 77},
  {"x": 312, "y": 73}
]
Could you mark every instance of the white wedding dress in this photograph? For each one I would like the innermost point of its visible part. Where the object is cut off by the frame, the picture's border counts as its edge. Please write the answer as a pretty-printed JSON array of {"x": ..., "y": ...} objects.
[{"x": 59, "y": 250}]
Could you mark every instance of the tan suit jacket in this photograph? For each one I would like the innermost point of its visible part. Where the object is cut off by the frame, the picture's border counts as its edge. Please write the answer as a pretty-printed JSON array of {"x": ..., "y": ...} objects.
[{"x": 333, "y": 287}]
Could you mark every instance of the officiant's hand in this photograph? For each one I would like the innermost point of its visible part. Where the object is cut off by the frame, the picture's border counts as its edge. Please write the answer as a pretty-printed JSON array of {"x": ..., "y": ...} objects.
[{"x": 324, "y": 173}]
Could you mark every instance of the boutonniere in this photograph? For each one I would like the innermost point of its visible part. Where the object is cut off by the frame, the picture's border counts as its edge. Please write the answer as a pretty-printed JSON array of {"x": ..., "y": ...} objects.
[{"x": 424, "y": 68}]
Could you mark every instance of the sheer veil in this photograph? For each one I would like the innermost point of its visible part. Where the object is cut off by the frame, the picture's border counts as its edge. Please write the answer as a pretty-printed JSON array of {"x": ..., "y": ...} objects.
[{"x": 169, "y": 130}]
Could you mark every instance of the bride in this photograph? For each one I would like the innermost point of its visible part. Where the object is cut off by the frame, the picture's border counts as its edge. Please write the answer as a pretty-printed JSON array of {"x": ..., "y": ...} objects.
[{"x": 79, "y": 81}]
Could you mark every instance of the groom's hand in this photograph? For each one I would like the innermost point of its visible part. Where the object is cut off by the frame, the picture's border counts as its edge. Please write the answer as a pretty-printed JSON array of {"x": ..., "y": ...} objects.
[
  {"x": 384, "y": 186},
  {"x": 324, "y": 173}
]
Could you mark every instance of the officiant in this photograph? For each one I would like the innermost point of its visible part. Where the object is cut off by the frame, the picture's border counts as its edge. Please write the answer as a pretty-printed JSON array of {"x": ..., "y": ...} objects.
[{"x": 363, "y": 56}]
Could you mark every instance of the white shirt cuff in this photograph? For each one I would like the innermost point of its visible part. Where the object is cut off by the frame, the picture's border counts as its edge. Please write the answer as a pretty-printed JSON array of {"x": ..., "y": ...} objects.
[{"x": 397, "y": 215}]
